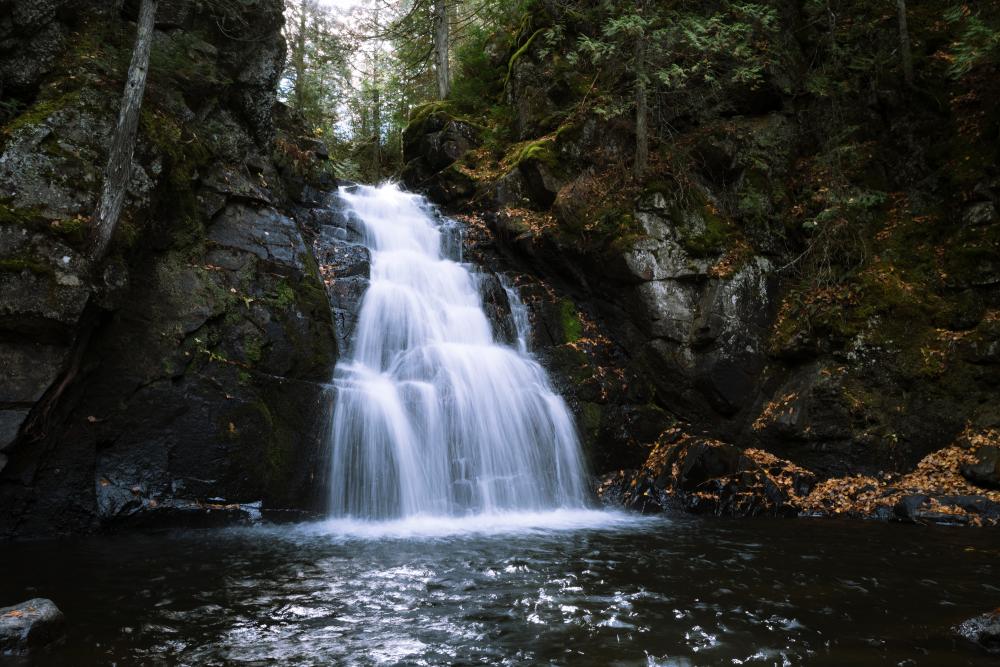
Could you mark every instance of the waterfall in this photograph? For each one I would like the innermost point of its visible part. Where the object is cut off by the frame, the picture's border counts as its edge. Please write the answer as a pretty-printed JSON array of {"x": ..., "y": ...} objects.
[{"x": 433, "y": 416}]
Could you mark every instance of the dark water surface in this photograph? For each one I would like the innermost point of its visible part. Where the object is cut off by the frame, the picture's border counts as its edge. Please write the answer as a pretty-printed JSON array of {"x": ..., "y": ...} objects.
[{"x": 583, "y": 590}]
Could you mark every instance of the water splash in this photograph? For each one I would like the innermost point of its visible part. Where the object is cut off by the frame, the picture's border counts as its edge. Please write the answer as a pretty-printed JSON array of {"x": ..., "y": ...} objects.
[
  {"x": 518, "y": 313},
  {"x": 433, "y": 417}
]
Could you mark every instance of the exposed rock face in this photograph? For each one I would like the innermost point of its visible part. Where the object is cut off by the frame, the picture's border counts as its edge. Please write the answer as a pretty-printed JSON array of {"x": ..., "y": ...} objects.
[
  {"x": 729, "y": 291},
  {"x": 432, "y": 143},
  {"x": 184, "y": 378},
  {"x": 29, "y": 626},
  {"x": 344, "y": 263}
]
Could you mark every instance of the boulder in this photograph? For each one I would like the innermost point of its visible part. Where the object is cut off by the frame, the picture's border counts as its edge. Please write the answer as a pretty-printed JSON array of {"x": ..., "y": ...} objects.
[
  {"x": 983, "y": 631},
  {"x": 986, "y": 470},
  {"x": 30, "y": 625}
]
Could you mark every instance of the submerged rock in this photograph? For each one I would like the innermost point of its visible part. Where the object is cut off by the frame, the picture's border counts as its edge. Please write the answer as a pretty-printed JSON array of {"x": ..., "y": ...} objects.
[
  {"x": 30, "y": 625},
  {"x": 983, "y": 631}
]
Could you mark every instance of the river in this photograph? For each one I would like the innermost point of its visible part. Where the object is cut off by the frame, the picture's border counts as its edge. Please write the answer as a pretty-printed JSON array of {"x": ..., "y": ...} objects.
[{"x": 565, "y": 588}]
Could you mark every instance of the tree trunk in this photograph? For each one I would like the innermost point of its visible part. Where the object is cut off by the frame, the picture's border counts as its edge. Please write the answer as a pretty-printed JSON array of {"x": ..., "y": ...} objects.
[
  {"x": 904, "y": 43},
  {"x": 299, "y": 59},
  {"x": 377, "y": 135},
  {"x": 641, "y": 106},
  {"x": 441, "y": 47},
  {"x": 119, "y": 168}
]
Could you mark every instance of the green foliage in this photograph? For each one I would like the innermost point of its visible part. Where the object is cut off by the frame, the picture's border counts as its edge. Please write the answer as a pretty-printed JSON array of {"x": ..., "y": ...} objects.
[
  {"x": 477, "y": 79},
  {"x": 978, "y": 43}
]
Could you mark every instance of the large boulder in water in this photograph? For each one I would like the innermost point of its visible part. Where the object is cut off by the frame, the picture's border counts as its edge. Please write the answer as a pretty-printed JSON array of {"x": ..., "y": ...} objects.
[
  {"x": 30, "y": 625},
  {"x": 983, "y": 631}
]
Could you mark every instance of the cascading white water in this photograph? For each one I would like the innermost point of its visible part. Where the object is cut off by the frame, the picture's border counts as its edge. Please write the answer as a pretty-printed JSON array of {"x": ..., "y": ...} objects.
[{"x": 433, "y": 416}]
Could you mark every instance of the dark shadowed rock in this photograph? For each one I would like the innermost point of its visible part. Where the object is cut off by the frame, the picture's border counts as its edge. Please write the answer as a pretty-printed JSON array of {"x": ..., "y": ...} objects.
[
  {"x": 264, "y": 232},
  {"x": 497, "y": 307},
  {"x": 707, "y": 476},
  {"x": 986, "y": 470},
  {"x": 30, "y": 625},
  {"x": 983, "y": 631}
]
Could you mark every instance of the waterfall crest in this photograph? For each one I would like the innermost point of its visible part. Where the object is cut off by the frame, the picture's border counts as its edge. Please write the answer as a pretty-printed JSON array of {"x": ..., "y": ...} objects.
[{"x": 433, "y": 416}]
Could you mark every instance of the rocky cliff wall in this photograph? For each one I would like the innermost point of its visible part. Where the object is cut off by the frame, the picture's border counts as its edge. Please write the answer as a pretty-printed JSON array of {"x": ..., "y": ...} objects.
[
  {"x": 185, "y": 374},
  {"x": 810, "y": 273}
]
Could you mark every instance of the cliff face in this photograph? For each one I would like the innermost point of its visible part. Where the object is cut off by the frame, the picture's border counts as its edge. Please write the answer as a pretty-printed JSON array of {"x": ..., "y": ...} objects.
[
  {"x": 186, "y": 372},
  {"x": 809, "y": 266}
]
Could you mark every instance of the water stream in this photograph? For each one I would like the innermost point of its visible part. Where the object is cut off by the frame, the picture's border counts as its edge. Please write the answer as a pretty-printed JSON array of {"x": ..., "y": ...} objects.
[
  {"x": 604, "y": 589},
  {"x": 433, "y": 416}
]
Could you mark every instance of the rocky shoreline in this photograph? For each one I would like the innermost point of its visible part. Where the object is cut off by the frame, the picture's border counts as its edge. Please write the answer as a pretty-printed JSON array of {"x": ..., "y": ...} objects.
[{"x": 705, "y": 476}]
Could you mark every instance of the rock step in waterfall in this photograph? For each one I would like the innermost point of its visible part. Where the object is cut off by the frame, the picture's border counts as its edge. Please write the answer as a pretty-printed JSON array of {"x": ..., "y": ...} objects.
[{"x": 433, "y": 415}]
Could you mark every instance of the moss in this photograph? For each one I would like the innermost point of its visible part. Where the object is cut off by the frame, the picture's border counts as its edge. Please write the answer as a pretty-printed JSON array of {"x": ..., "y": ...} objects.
[
  {"x": 709, "y": 241},
  {"x": 73, "y": 230},
  {"x": 22, "y": 217},
  {"x": 540, "y": 150},
  {"x": 572, "y": 327},
  {"x": 253, "y": 348},
  {"x": 41, "y": 111},
  {"x": 283, "y": 296},
  {"x": 184, "y": 155},
  {"x": 519, "y": 53},
  {"x": 420, "y": 113},
  {"x": 591, "y": 415},
  {"x": 185, "y": 60},
  {"x": 20, "y": 264}
]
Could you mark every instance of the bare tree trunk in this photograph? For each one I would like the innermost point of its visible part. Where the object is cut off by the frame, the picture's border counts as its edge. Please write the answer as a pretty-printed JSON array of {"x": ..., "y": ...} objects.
[
  {"x": 377, "y": 134},
  {"x": 441, "y": 47},
  {"x": 641, "y": 106},
  {"x": 119, "y": 168},
  {"x": 299, "y": 59},
  {"x": 904, "y": 43}
]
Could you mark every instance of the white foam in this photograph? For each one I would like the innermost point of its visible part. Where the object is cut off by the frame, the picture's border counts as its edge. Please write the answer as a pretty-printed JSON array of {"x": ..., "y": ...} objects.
[{"x": 480, "y": 525}]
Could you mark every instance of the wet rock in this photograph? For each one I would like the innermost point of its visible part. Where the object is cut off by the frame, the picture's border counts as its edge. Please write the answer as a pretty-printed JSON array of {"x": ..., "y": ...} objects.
[
  {"x": 986, "y": 470},
  {"x": 30, "y": 625},
  {"x": 497, "y": 307},
  {"x": 909, "y": 508},
  {"x": 983, "y": 631},
  {"x": 346, "y": 270}
]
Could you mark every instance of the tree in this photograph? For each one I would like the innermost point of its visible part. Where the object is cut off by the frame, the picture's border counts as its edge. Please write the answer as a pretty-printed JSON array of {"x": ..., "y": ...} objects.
[
  {"x": 442, "y": 36},
  {"x": 119, "y": 167},
  {"x": 316, "y": 73},
  {"x": 641, "y": 102},
  {"x": 904, "y": 43}
]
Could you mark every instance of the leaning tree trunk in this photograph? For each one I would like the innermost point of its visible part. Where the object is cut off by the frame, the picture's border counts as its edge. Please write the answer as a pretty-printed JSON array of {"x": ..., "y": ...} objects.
[
  {"x": 904, "y": 43},
  {"x": 641, "y": 108},
  {"x": 119, "y": 168},
  {"x": 441, "y": 46}
]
